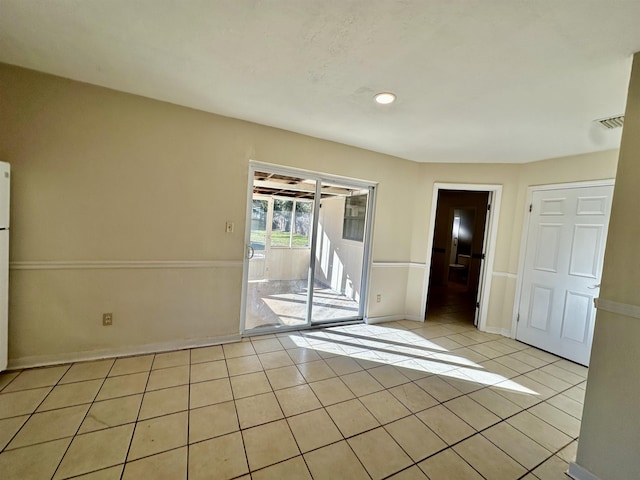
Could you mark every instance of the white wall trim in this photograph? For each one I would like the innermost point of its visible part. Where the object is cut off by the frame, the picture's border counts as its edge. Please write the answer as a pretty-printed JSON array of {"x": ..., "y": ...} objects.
[
  {"x": 398, "y": 265},
  {"x": 505, "y": 332},
  {"x": 580, "y": 473},
  {"x": 124, "y": 264},
  {"x": 505, "y": 274},
  {"x": 386, "y": 318},
  {"x": 58, "y": 358},
  {"x": 617, "y": 308},
  {"x": 414, "y": 318}
]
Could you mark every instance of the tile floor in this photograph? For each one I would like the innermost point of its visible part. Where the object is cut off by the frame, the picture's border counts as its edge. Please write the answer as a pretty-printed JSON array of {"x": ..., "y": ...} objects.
[{"x": 400, "y": 400}]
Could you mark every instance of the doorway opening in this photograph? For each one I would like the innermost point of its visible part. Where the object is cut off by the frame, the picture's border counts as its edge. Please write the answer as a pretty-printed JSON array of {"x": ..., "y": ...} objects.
[
  {"x": 308, "y": 249},
  {"x": 463, "y": 231}
]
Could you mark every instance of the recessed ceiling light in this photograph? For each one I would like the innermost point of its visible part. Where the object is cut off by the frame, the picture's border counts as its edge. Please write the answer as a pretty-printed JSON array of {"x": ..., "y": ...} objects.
[{"x": 385, "y": 98}]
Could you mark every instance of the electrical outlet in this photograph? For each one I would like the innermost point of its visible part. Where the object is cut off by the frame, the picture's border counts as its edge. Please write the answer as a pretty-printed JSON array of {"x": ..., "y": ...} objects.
[
  {"x": 229, "y": 227},
  {"x": 107, "y": 319},
  {"x": 378, "y": 298}
]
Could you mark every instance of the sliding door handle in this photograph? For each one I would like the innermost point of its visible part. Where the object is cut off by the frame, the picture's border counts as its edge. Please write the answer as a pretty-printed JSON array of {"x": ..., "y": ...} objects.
[{"x": 250, "y": 252}]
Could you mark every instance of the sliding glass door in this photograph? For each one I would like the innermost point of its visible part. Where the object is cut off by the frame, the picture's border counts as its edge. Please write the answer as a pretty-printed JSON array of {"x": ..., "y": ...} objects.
[{"x": 307, "y": 249}]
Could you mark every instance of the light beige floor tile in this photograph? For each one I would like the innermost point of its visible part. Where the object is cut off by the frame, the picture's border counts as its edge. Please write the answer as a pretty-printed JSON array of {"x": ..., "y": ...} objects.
[
  {"x": 343, "y": 365},
  {"x": 222, "y": 455},
  {"x": 168, "y": 377},
  {"x": 261, "y": 448},
  {"x": 546, "y": 356},
  {"x": 71, "y": 394},
  {"x": 412, "y": 473},
  {"x": 34, "y": 462},
  {"x": 486, "y": 350},
  {"x": 285, "y": 377},
  {"x": 552, "y": 469},
  {"x": 418, "y": 440},
  {"x": 352, "y": 417},
  {"x": 128, "y": 365},
  {"x": 209, "y": 393},
  {"x": 268, "y": 345},
  {"x": 95, "y": 450},
  {"x": 111, "y": 473},
  {"x": 573, "y": 368},
  {"x": 488, "y": 459},
  {"x": 275, "y": 360},
  {"x": 331, "y": 391},
  {"x": 123, "y": 385},
  {"x": 158, "y": 435},
  {"x": 165, "y": 401},
  {"x": 517, "y": 393},
  {"x": 472, "y": 412},
  {"x": 388, "y": 376},
  {"x": 540, "y": 431},
  {"x": 517, "y": 445},
  {"x": 212, "y": 421},
  {"x": 201, "y": 372},
  {"x": 242, "y": 365},
  {"x": 548, "y": 380},
  {"x": 384, "y": 406},
  {"x": 335, "y": 461},
  {"x": 36, "y": 378},
  {"x": 313, "y": 430},
  {"x": 446, "y": 424},
  {"x": 448, "y": 465},
  {"x": 411, "y": 370},
  {"x": 316, "y": 371},
  {"x": 297, "y": 400},
  {"x": 496, "y": 403},
  {"x": 250, "y": 384},
  {"x": 568, "y": 453},
  {"x": 238, "y": 349},
  {"x": 514, "y": 364},
  {"x": 303, "y": 355},
  {"x": 413, "y": 397},
  {"x": 9, "y": 427},
  {"x": 559, "y": 419},
  {"x": 171, "y": 465},
  {"x": 258, "y": 409},
  {"x": 207, "y": 354},
  {"x": 567, "y": 405},
  {"x": 361, "y": 383},
  {"x": 379, "y": 453},
  {"x": 499, "y": 369},
  {"x": 525, "y": 357},
  {"x": 575, "y": 393},
  {"x": 562, "y": 374},
  {"x": 171, "y": 359},
  {"x": 87, "y": 371},
  {"x": 438, "y": 388},
  {"x": 7, "y": 377},
  {"x": 111, "y": 413},
  {"x": 462, "y": 379},
  {"x": 52, "y": 425},
  {"x": 293, "y": 469}
]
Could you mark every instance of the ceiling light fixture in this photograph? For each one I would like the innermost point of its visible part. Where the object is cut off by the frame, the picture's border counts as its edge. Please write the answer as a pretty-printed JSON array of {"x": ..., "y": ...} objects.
[{"x": 385, "y": 98}]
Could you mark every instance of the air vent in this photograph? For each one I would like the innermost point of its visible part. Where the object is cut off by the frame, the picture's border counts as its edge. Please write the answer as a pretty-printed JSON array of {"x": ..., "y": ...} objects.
[{"x": 612, "y": 122}]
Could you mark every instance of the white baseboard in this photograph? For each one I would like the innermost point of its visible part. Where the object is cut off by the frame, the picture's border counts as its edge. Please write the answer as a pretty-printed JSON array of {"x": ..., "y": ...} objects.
[
  {"x": 58, "y": 358},
  {"x": 414, "y": 318},
  {"x": 580, "y": 473},
  {"x": 386, "y": 318},
  {"x": 505, "y": 332}
]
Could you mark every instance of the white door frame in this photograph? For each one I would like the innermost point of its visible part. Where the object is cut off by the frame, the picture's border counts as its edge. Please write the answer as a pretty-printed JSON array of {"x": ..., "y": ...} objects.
[
  {"x": 525, "y": 234},
  {"x": 495, "y": 197}
]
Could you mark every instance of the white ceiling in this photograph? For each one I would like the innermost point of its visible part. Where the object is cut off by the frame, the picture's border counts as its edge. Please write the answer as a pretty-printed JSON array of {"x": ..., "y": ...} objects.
[{"x": 477, "y": 81}]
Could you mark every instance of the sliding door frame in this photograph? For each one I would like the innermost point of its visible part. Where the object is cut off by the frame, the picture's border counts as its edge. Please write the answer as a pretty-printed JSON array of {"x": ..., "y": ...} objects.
[{"x": 319, "y": 178}]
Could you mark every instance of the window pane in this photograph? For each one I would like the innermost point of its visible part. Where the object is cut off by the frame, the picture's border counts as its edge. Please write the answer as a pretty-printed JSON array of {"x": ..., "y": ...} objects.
[
  {"x": 355, "y": 210},
  {"x": 281, "y": 225},
  {"x": 259, "y": 223},
  {"x": 302, "y": 227}
]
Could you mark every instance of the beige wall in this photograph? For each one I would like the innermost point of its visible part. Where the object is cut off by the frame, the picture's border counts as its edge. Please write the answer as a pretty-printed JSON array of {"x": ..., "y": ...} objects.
[
  {"x": 103, "y": 176},
  {"x": 610, "y": 433}
]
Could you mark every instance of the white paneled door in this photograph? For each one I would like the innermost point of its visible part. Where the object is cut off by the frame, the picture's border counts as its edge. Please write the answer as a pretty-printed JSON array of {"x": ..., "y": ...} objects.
[{"x": 562, "y": 267}]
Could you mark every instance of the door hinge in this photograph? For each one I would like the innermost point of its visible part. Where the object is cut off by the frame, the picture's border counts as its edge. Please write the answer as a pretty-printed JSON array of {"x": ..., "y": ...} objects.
[
  {"x": 489, "y": 207},
  {"x": 518, "y": 319},
  {"x": 531, "y": 207},
  {"x": 477, "y": 304}
]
